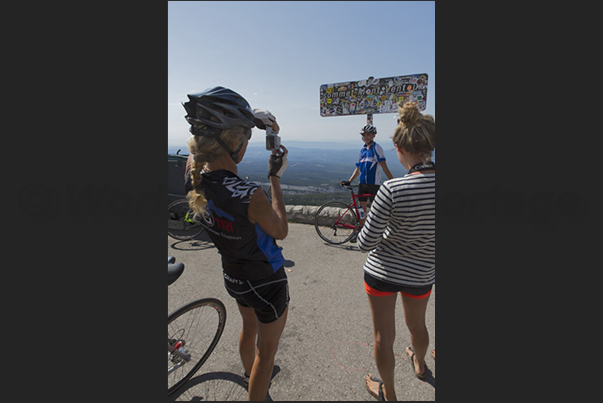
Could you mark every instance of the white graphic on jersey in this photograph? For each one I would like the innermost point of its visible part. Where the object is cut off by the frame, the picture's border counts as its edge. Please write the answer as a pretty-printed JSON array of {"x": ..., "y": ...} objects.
[
  {"x": 242, "y": 189},
  {"x": 372, "y": 160}
]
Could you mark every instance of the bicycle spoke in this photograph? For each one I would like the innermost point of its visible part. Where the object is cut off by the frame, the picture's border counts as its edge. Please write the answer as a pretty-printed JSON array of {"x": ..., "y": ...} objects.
[
  {"x": 198, "y": 326},
  {"x": 335, "y": 222},
  {"x": 183, "y": 223}
]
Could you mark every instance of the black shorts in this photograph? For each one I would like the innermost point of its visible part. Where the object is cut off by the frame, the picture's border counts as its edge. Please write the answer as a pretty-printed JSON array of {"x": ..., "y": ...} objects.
[
  {"x": 268, "y": 297},
  {"x": 365, "y": 188},
  {"x": 378, "y": 288}
]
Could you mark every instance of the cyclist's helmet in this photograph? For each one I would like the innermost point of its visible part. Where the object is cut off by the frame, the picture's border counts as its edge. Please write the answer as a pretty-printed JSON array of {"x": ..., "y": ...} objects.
[
  {"x": 230, "y": 108},
  {"x": 369, "y": 129}
]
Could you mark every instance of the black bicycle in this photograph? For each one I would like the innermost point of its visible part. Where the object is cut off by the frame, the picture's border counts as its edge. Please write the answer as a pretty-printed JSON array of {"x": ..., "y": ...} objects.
[
  {"x": 183, "y": 222},
  {"x": 193, "y": 332}
]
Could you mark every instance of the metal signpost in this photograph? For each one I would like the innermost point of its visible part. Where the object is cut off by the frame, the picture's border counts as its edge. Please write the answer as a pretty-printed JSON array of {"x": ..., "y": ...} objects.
[{"x": 373, "y": 95}]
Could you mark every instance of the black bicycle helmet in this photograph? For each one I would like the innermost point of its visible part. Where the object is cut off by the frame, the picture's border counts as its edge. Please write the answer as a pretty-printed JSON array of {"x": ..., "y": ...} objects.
[
  {"x": 369, "y": 129},
  {"x": 230, "y": 108}
]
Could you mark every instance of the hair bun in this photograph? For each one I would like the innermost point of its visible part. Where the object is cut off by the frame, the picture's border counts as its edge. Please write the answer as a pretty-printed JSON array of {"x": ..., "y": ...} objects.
[{"x": 410, "y": 114}]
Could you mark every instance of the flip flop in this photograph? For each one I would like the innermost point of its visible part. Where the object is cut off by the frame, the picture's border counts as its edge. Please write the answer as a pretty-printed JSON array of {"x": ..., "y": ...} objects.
[
  {"x": 412, "y": 364},
  {"x": 379, "y": 397}
]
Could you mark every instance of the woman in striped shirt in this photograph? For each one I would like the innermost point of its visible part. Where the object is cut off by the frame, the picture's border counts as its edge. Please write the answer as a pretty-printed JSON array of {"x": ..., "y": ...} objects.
[{"x": 400, "y": 235}]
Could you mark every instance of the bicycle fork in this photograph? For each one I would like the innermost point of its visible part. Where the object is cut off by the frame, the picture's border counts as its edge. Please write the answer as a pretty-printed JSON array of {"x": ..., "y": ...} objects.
[{"x": 177, "y": 351}]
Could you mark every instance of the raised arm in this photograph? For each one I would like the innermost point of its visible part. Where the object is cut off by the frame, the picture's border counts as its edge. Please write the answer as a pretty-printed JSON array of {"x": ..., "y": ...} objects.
[{"x": 272, "y": 217}]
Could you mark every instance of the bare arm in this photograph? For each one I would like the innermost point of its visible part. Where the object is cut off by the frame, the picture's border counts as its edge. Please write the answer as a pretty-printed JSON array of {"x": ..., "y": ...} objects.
[
  {"x": 278, "y": 203},
  {"x": 386, "y": 170},
  {"x": 271, "y": 218}
]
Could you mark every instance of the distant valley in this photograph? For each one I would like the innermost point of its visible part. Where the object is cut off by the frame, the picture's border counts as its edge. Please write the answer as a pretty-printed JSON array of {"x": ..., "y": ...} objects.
[{"x": 314, "y": 171}]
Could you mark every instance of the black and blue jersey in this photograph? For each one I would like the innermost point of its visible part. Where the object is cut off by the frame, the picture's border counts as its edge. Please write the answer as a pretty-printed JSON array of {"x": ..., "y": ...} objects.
[{"x": 248, "y": 253}]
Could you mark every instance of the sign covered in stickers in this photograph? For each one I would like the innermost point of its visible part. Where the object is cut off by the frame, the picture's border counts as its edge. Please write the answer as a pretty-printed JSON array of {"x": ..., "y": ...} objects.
[{"x": 372, "y": 96}]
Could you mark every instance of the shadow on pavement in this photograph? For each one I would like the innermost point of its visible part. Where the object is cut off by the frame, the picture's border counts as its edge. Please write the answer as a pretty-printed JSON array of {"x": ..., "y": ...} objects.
[
  {"x": 347, "y": 246},
  {"x": 216, "y": 386}
]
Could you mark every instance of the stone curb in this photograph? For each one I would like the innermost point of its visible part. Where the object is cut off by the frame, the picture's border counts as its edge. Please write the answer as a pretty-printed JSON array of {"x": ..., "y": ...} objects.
[{"x": 305, "y": 214}]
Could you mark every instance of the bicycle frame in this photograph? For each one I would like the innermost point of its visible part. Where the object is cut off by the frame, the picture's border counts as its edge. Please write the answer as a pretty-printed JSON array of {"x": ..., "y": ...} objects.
[
  {"x": 179, "y": 353},
  {"x": 354, "y": 197},
  {"x": 185, "y": 356}
]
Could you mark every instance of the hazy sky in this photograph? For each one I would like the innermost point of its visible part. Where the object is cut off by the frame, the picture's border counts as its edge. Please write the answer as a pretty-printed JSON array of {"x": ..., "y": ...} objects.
[{"x": 277, "y": 54}]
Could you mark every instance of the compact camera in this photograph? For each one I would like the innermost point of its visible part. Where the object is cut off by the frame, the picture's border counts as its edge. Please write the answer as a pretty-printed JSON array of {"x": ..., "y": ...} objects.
[{"x": 273, "y": 141}]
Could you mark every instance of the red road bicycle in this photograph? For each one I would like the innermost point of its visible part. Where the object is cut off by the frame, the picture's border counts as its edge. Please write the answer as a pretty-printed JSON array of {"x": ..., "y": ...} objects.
[{"x": 337, "y": 222}]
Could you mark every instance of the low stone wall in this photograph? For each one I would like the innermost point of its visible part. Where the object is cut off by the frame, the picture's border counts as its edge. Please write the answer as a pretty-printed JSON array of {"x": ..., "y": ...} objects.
[{"x": 306, "y": 214}]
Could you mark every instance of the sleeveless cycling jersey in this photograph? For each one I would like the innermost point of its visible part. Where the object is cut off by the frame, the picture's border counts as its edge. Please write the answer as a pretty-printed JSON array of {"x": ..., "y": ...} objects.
[
  {"x": 248, "y": 253},
  {"x": 369, "y": 164}
]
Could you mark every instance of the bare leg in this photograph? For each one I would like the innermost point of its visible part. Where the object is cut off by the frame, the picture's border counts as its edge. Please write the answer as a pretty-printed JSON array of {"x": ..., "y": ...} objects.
[
  {"x": 414, "y": 315},
  {"x": 248, "y": 337},
  {"x": 384, "y": 332},
  {"x": 269, "y": 335}
]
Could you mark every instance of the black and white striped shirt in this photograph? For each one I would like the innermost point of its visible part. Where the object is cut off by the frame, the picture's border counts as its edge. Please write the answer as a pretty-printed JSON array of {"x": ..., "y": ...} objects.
[{"x": 400, "y": 231}]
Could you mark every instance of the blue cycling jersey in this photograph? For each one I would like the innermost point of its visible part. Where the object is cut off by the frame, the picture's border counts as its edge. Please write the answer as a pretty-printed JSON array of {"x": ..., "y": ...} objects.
[{"x": 369, "y": 164}]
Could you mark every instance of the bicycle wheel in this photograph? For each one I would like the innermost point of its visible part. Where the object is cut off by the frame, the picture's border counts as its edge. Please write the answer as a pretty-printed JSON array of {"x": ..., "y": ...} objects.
[
  {"x": 335, "y": 222},
  {"x": 183, "y": 223},
  {"x": 196, "y": 327}
]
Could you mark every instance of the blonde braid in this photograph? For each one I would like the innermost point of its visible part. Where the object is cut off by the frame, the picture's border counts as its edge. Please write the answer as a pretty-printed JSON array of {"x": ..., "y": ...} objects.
[{"x": 206, "y": 149}]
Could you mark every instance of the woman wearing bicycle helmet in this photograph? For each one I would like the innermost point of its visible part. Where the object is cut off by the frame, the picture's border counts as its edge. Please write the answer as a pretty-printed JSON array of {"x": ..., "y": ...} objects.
[
  {"x": 241, "y": 222},
  {"x": 399, "y": 235},
  {"x": 370, "y": 162}
]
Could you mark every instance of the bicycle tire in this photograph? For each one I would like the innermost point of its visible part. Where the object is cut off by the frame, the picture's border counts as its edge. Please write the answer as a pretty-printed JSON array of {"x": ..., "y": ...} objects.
[
  {"x": 330, "y": 232},
  {"x": 178, "y": 228},
  {"x": 188, "y": 337}
]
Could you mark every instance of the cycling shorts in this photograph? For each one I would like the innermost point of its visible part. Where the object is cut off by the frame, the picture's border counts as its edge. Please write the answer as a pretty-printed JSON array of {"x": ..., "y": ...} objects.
[
  {"x": 365, "y": 188},
  {"x": 378, "y": 288},
  {"x": 268, "y": 297}
]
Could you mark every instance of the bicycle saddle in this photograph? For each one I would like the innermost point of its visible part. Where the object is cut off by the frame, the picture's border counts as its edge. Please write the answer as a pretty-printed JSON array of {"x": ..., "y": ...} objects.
[{"x": 174, "y": 270}]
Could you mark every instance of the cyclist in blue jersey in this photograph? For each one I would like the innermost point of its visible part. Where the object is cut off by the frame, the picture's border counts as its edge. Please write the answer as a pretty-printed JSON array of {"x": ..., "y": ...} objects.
[
  {"x": 243, "y": 224},
  {"x": 371, "y": 161}
]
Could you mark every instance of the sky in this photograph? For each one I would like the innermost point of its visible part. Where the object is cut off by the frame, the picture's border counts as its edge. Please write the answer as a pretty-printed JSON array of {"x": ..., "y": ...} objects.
[{"x": 277, "y": 54}]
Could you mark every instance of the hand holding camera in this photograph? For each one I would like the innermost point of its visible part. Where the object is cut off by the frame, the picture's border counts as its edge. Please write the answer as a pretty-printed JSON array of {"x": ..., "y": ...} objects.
[
  {"x": 265, "y": 120},
  {"x": 278, "y": 162}
]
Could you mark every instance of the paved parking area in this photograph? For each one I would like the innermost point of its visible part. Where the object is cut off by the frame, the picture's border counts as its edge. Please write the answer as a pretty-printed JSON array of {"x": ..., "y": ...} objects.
[{"x": 327, "y": 345}]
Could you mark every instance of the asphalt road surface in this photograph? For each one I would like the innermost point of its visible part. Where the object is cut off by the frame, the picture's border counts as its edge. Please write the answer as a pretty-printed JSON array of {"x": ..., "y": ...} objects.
[{"x": 327, "y": 346}]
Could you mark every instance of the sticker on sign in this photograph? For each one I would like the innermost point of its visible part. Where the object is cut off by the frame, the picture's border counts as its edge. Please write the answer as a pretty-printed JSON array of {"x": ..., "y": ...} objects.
[{"x": 372, "y": 96}]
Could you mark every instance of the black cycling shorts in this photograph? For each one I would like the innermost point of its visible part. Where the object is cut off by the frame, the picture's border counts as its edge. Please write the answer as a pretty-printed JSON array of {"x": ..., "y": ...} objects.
[
  {"x": 365, "y": 188},
  {"x": 379, "y": 288},
  {"x": 268, "y": 297}
]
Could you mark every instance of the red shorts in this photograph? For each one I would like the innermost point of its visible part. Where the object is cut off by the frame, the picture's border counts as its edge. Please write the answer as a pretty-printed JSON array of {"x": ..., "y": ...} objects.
[{"x": 412, "y": 292}]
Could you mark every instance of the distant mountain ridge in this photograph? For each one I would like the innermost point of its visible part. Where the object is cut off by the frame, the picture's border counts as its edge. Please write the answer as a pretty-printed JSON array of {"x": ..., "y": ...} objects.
[
  {"x": 323, "y": 164},
  {"x": 313, "y": 166}
]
